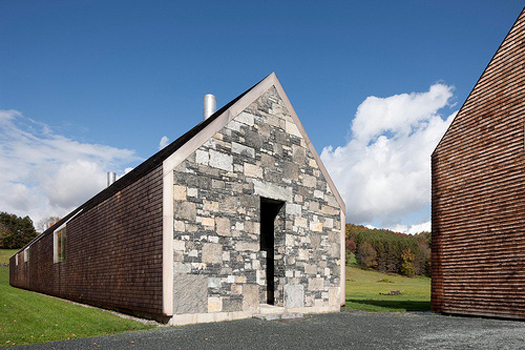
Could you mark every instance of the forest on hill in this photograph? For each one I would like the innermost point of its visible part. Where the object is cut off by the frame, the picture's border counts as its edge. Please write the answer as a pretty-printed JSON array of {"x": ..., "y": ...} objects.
[{"x": 389, "y": 251}]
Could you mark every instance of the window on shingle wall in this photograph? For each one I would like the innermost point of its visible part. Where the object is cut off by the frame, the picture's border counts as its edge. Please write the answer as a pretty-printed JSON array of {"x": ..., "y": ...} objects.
[
  {"x": 16, "y": 259},
  {"x": 26, "y": 254},
  {"x": 59, "y": 240}
]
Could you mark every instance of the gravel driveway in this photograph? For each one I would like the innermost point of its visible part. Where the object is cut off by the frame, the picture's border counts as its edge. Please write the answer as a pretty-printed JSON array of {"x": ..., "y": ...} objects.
[{"x": 344, "y": 330}]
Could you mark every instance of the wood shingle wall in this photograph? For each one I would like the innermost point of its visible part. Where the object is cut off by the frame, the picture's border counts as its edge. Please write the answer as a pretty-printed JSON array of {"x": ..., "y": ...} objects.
[
  {"x": 113, "y": 253},
  {"x": 478, "y": 194}
]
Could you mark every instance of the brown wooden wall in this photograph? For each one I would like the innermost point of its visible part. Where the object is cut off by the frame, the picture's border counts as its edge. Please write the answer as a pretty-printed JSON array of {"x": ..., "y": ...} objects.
[
  {"x": 478, "y": 194},
  {"x": 113, "y": 253}
]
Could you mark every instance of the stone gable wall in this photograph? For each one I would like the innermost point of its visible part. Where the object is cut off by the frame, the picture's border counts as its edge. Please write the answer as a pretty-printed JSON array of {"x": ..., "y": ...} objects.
[{"x": 218, "y": 264}]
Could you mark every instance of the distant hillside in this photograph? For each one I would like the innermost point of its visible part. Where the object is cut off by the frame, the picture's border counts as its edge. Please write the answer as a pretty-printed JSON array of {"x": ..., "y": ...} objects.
[{"x": 389, "y": 251}]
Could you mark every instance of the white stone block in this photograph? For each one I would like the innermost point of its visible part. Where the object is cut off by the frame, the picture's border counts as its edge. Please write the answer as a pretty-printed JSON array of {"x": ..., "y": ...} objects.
[
  {"x": 221, "y": 160},
  {"x": 245, "y": 118},
  {"x": 202, "y": 157}
]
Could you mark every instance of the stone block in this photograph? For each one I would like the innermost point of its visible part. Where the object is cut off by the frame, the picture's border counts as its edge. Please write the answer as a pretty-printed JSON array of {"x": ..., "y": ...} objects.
[
  {"x": 267, "y": 161},
  {"x": 309, "y": 181},
  {"x": 252, "y": 227},
  {"x": 243, "y": 150},
  {"x": 318, "y": 194},
  {"x": 223, "y": 226},
  {"x": 214, "y": 282},
  {"x": 231, "y": 305},
  {"x": 310, "y": 269},
  {"x": 214, "y": 304},
  {"x": 190, "y": 293},
  {"x": 313, "y": 206},
  {"x": 252, "y": 170},
  {"x": 210, "y": 222},
  {"x": 202, "y": 157},
  {"x": 184, "y": 211},
  {"x": 302, "y": 254},
  {"x": 316, "y": 226},
  {"x": 291, "y": 171},
  {"x": 221, "y": 160},
  {"x": 298, "y": 155},
  {"x": 217, "y": 184},
  {"x": 272, "y": 191},
  {"x": 212, "y": 253},
  {"x": 292, "y": 129},
  {"x": 236, "y": 289},
  {"x": 293, "y": 295},
  {"x": 250, "y": 300},
  {"x": 179, "y": 226},
  {"x": 179, "y": 245},
  {"x": 244, "y": 246},
  {"x": 301, "y": 222},
  {"x": 328, "y": 210},
  {"x": 245, "y": 118},
  {"x": 333, "y": 296},
  {"x": 179, "y": 193},
  {"x": 180, "y": 267},
  {"x": 315, "y": 239},
  {"x": 315, "y": 284},
  {"x": 293, "y": 209}
]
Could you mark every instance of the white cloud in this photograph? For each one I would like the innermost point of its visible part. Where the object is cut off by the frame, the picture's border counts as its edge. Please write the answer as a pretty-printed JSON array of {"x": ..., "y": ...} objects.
[
  {"x": 164, "y": 141},
  {"x": 46, "y": 174},
  {"x": 412, "y": 229},
  {"x": 383, "y": 172}
]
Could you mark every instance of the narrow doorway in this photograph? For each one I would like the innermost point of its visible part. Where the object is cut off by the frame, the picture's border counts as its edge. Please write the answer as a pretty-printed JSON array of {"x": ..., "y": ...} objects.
[{"x": 269, "y": 210}]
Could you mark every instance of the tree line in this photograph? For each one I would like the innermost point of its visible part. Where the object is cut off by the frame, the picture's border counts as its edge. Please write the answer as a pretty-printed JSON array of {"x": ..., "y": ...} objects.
[
  {"x": 15, "y": 231},
  {"x": 388, "y": 251}
]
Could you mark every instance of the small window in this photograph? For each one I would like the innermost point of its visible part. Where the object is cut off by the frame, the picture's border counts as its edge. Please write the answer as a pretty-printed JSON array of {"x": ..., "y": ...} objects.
[
  {"x": 16, "y": 259},
  {"x": 60, "y": 245},
  {"x": 26, "y": 255}
]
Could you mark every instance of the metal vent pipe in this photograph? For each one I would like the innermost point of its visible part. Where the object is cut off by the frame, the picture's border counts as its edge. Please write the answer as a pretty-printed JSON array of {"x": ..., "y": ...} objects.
[
  {"x": 111, "y": 177},
  {"x": 210, "y": 105}
]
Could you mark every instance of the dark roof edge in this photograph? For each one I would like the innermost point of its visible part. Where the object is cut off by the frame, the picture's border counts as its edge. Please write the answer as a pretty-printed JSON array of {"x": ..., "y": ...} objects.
[{"x": 141, "y": 170}]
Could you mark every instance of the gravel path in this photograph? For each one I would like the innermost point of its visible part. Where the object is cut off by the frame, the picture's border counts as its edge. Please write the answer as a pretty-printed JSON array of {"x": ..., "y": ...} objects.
[{"x": 344, "y": 330}]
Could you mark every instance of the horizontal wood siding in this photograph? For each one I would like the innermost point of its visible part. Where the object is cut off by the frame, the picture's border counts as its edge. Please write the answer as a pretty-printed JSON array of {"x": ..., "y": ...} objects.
[
  {"x": 113, "y": 253},
  {"x": 478, "y": 194}
]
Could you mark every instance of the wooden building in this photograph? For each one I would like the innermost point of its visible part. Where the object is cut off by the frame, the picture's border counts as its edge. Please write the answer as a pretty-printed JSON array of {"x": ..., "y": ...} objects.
[
  {"x": 478, "y": 194},
  {"x": 237, "y": 217}
]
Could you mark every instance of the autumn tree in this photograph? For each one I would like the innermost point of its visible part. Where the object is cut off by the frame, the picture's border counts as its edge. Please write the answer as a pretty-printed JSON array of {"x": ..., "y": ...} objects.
[{"x": 366, "y": 255}]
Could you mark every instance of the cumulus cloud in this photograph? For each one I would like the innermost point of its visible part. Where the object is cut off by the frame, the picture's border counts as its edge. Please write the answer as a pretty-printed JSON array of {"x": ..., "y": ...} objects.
[
  {"x": 164, "y": 141},
  {"x": 383, "y": 171},
  {"x": 45, "y": 174}
]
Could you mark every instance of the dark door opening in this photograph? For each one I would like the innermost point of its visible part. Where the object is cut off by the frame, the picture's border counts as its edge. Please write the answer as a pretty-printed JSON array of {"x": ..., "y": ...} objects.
[{"x": 269, "y": 210}]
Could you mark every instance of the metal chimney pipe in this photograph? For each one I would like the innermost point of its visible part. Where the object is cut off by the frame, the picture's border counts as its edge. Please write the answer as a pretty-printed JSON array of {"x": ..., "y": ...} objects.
[
  {"x": 210, "y": 105},
  {"x": 111, "y": 177}
]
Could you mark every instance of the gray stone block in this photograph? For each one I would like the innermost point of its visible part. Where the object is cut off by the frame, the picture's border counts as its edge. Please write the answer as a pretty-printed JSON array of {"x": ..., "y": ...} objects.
[
  {"x": 293, "y": 295},
  {"x": 190, "y": 293}
]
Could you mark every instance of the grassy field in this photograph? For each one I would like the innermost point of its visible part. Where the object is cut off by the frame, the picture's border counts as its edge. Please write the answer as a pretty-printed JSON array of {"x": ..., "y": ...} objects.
[
  {"x": 28, "y": 318},
  {"x": 5, "y": 254},
  {"x": 363, "y": 288}
]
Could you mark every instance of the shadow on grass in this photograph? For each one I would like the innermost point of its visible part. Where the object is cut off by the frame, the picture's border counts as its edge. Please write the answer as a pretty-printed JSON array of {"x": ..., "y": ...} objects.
[{"x": 389, "y": 305}]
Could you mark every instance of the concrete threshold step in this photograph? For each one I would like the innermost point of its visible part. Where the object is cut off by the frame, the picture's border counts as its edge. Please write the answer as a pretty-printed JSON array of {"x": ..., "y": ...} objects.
[
  {"x": 273, "y": 317},
  {"x": 271, "y": 312}
]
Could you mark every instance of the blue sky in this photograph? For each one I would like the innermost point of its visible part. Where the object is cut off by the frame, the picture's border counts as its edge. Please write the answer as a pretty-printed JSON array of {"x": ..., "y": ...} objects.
[{"x": 123, "y": 74}]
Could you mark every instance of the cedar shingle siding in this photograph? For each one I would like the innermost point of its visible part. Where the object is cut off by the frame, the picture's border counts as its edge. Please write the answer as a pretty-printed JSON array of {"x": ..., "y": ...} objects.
[
  {"x": 478, "y": 194},
  {"x": 114, "y": 253}
]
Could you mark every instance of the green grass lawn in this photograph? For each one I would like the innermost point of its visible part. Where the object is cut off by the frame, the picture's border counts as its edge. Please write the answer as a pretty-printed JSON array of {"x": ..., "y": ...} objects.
[
  {"x": 363, "y": 288},
  {"x": 5, "y": 254},
  {"x": 28, "y": 318}
]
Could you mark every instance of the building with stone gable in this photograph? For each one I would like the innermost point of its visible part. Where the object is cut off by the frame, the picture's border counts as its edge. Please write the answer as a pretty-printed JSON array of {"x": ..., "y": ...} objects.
[
  {"x": 237, "y": 217},
  {"x": 478, "y": 194}
]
